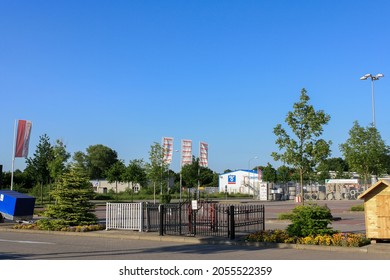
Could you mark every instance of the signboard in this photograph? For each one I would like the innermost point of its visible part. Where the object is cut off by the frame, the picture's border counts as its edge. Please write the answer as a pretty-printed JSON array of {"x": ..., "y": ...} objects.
[
  {"x": 231, "y": 179},
  {"x": 263, "y": 195},
  {"x": 194, "y": 205}
]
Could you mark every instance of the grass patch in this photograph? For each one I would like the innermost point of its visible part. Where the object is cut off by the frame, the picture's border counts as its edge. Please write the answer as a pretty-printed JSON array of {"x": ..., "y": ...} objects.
[
  {"x": 285, "y": 216},
  {"x": 357, "y": 208}
]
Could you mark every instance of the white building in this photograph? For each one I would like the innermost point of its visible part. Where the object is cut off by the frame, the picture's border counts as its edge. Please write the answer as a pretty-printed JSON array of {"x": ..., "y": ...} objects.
[
  {"x": 240, "y": 181},
  {"x": 103, "y": 186}
]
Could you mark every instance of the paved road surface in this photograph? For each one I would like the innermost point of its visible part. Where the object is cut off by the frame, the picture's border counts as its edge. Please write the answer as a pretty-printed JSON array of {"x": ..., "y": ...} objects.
[
  {"x": 124, "y": 245},
  {"x": 34, "y": 246}
]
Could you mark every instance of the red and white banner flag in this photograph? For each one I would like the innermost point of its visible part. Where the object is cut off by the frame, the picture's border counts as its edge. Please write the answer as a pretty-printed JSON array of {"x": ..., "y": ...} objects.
[
  {"x": 167, "y": 149},
  {"x": 186, "y": 152},
  {"x": 203, "y": 154},
  {"x": 23, "y": 138}
]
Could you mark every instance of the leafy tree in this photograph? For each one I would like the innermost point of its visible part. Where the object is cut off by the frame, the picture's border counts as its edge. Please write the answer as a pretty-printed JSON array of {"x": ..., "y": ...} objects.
[
  {"x": 57, "y": 165},
  {"x": 365, "y": 151},
  {"x": 337, "y": 165},
  {"x": 157, "y": 166},
  {"x": 303, "y": 149},
  {"x": 283, "y": 174},
  {"x": 80, "y": 159},
  {"x": 72, "y": 194},
  {"x": 23, "y": 182},
  {"x": 215, "y": 181},
  {"x": 269, "y": 173},
  {"x": 135, "y": 173},
  {"x": 194, "y": 174},
  {"x": 116, "y": 173},
  {"x": 38, "y": 165},
  {"x": 99, "y": 159}
]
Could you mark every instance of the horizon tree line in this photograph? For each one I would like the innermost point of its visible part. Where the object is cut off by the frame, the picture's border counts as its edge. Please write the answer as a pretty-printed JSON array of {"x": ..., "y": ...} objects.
[{"x": 304, "y": 154}]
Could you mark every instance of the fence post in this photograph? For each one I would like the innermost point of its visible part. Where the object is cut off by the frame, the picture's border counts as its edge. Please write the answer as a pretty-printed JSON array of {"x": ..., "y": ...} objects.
[
  {"x": 194, "y": 213},
  {"x": 141, "y": 216},
  {"x": 263, "y": 216},
  {"x": 232, "y": 225},
  {"x": 180, "y": 204},
  {"x": 108, "y": 218},
  {"x": 161, "y": 211}
]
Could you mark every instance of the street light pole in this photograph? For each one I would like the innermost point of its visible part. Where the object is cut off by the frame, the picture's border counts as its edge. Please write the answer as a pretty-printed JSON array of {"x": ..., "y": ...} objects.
[{"x": 373, "y": 78}]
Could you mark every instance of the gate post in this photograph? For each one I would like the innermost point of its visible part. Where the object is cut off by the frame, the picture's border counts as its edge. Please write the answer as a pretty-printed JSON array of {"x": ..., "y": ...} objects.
[
  {"x": 263, "y": 216},
  {"x": 141, "y": 216},
  {"x": 161, "y": 211},
  {"x": 180, "y": 223},
  {"x": 231, "y": 223}
]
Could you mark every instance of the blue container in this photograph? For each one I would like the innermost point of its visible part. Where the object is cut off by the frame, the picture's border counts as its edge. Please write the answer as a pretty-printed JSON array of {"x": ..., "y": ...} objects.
[{"x": 16, "y": 206}]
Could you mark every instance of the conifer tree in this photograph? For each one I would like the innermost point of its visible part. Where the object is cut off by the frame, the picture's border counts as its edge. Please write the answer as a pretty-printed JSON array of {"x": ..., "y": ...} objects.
[{"x": 72, "y": 196}]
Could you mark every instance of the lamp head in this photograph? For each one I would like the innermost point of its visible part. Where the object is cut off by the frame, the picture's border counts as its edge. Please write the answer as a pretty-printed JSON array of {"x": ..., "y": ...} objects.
[{"x": 365, "y": 77}]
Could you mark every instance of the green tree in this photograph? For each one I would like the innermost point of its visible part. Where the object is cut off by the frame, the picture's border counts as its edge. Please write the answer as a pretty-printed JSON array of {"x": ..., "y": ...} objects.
[
  {"x": 365, "y": 151},
  {"x": 23, "y": 182},
  {"x": 135, "y": 173},
  {"x": 156, "y": 167},
  {"x": 72, "y": 195},
  {"x": 38, "y": 165},
  {"x": 116, "y": 173},
  {"x": 194, "y": 174},
  {"x": 57, "y": 165},
  {"x": 80, "y": 159},
  {"x": 269, "y": 173},
  {"x": 304, "y": 148},
  {"x": 215, "y": 181},
  {"x": 190, "y": 172},
  {"x": 337, "y": 165},
  {"x": 283, "y": 174},
  {"x": 99, "y": 159}
]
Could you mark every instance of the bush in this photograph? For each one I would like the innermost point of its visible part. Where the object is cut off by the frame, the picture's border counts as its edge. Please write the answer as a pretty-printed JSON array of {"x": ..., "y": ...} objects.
[{"x": 310, "y": 220}]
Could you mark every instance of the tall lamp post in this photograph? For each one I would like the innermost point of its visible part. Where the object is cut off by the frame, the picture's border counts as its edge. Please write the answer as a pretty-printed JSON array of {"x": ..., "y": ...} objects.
[{"x": 373, "y": 78}]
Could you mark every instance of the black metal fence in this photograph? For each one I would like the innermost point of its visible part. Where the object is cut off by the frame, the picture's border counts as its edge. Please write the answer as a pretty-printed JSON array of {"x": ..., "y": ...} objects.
[{"x": 208, "y": 219}]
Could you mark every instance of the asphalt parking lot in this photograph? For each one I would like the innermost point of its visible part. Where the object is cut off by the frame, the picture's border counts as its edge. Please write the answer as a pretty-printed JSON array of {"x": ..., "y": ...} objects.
[{"x": 120, "y": 244}]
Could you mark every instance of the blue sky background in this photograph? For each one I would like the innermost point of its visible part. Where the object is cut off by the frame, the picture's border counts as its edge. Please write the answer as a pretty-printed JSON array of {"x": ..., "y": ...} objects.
[{"x": 127, "y": 73}]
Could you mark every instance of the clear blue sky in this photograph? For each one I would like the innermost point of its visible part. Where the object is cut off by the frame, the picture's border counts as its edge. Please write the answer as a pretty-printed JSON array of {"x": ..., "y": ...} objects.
[{"x": 127, "y": 73}]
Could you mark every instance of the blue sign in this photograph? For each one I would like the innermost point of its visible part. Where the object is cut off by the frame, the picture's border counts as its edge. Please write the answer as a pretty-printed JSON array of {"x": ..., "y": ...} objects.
[{"x": 231, "y": 179}]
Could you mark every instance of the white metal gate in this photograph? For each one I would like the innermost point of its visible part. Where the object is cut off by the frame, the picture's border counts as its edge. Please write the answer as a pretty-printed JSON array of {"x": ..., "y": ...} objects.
[{"x": 127, "y": 216}]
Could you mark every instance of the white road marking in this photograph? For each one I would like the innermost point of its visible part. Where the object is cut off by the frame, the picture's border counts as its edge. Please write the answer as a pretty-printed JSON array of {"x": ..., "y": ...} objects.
[{"x": 25, "y": 241}]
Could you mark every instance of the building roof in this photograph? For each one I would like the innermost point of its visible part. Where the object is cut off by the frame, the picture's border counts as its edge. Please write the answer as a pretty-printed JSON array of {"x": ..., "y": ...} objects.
[
  {"x": 373, "y": 187},
  {"x": 243, "y": 170}
]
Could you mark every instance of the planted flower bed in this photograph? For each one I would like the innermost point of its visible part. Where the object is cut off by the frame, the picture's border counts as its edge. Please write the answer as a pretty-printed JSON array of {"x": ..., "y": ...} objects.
[
  {"x": 335, "y": 239},
  {"x": 310, "y": 226}
]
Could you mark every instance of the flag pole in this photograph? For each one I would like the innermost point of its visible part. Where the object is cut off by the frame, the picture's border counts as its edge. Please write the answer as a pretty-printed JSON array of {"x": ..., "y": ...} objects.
[{"x": 13, "y": 158}]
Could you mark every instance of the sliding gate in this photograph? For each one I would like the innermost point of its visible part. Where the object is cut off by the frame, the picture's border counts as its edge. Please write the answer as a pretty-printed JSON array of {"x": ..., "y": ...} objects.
[{"x": 127, "y": 216}]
